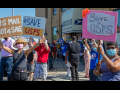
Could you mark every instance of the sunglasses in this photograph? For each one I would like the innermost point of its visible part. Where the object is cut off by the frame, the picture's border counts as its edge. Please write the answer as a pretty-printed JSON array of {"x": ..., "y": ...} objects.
[{"x": 111, "y": 48}]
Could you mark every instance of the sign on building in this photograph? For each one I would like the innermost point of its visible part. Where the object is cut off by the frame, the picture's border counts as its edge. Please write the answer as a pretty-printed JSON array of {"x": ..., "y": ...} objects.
[
  {"x": 33, "y": 26},
  {"x": 10, "y": 26}
]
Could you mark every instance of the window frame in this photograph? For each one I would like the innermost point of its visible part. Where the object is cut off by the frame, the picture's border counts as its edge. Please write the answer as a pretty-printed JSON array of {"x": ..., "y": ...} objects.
[
  {"x": 54, "y": 11},
  {"x": 63, "y": 9}
]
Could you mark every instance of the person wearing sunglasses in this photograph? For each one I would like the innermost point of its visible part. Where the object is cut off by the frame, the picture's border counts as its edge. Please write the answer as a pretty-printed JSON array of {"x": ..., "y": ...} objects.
[{"x": 110, "y": 65}]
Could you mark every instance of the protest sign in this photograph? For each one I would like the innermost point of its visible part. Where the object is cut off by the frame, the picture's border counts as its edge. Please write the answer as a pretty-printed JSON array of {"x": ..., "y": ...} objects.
[
  {"x": 100, "y": 25},
  {"x": 68, "y": 39},
  {"x": 10, "y": 26},
  {"x": 60, "y": 40},
  {"x": 33, "y": 26}
]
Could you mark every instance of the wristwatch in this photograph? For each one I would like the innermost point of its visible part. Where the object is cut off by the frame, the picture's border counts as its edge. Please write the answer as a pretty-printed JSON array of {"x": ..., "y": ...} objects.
[{"x": 102, "y": 55}]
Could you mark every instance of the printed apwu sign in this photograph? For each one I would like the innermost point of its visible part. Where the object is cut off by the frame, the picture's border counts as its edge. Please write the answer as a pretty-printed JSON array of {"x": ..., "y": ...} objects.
[
  {"x": 10, "y": 26},
  {"x": 33, "y": 26},
  {"x": 60, "y": 40},
  {"x": 100, "y": 25}
]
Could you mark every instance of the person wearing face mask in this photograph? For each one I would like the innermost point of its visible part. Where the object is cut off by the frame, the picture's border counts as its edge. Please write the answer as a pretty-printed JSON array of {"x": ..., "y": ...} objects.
[
  {"x": 93, "y": 61},
  {"x": 110, "y": 65},
  {"x": 19, "y": 72},
  {"x": 41, "y": 66},
  {"x": 7, "y": 58}
]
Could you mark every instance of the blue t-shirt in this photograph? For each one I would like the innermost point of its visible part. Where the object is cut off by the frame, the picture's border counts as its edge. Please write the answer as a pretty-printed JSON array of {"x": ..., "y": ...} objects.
[
  {"x": 94, "y": 59},
  {"x": 81, "y": 45},
  {"x": 63, "y": 48}
]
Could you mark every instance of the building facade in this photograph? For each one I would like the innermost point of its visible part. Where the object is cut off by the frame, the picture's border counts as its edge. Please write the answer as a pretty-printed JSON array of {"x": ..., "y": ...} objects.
[{"x": 53, "y": 30}]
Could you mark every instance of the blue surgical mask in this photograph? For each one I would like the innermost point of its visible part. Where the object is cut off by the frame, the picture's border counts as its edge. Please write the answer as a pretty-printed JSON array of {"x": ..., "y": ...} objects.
[
  {"x": 111, "y": 52},
  {"x": 95, "y": 49}
]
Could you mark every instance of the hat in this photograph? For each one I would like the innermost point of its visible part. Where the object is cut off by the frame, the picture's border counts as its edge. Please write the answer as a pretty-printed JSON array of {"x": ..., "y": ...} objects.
[
  {"x": 20, "y": 41},
  {"x": 112, "y": 43}
]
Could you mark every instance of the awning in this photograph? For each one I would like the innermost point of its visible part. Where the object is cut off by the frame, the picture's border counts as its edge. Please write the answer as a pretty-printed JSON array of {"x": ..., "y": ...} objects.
[{"x": 72, "y": 21}]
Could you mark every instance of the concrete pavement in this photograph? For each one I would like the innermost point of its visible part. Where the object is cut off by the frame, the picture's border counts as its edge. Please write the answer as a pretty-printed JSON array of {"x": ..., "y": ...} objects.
[{"x": 60, "y": 72}]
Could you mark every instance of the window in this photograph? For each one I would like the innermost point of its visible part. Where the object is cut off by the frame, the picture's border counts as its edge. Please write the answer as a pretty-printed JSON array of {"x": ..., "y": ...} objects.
[
  {"x": 54, "y": 34},
  {"x": 46, "y": 12},
  {"x": 54, "y": 11},
  {"x": 63, "y": 9}
]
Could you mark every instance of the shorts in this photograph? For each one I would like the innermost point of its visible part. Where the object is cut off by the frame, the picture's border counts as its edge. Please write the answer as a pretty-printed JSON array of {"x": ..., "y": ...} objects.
[
  {"x": 40, "y": 70},
  {"x": 30, "y": 67}
]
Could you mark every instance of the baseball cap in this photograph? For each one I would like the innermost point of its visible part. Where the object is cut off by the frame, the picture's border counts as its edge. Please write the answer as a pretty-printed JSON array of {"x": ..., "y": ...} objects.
[{"x": 112, "y": 43}]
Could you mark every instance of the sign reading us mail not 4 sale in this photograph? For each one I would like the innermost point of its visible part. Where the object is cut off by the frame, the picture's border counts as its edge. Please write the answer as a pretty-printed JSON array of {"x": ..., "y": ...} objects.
[
  {"x": 10, "y": 26},
  {"x": 33, "y": 26}
]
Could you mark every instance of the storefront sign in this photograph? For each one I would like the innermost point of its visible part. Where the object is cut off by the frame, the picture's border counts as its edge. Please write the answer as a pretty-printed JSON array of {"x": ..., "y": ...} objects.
[
  {"x": 100, "y": 25},
  {"x": 33, "y": 26},
  {"x": 10, "y": 26}
]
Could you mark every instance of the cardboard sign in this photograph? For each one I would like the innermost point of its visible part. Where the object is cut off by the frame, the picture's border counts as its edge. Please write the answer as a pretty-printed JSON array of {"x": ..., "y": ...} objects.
[
  {"x": 60, "y": 40},
  {"x": 33, "y": 26},
  {"x": 10, "y": 26},
  {"x": 100, "y": 25}
]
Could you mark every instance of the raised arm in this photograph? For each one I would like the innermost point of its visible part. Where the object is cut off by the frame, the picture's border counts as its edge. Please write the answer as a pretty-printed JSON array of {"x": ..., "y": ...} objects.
[
  {"x": 86, "y": 44},
  {"x": 44, "y": 40},
  {"x": 93, "y": 40},
  {"x": 30, "y": 41},
  {"x": 27, "y": 52},
  {"x": 6, "y": 48}
]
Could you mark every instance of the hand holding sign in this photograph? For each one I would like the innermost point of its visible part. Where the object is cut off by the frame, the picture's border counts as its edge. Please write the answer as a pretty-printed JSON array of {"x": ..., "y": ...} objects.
[
  {"x": 44, "y": 39},
  {"x": 100, "y": 50}
]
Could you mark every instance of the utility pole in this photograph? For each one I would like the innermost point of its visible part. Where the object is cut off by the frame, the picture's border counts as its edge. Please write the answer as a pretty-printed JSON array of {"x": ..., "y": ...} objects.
[{"x": 12, "y": 11}]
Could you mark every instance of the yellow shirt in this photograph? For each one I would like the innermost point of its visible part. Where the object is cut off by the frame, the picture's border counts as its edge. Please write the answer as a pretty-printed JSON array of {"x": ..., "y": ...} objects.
[{"x": 58, "y": 46}]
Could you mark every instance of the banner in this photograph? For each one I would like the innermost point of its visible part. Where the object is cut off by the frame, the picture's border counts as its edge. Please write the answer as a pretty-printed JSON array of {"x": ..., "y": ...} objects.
[
  {"x": 33, "y": 26},
  {"x": 10, "y": 26},
  {"x": 100, "y": 25},
  {"x": 61, "y": 41}
]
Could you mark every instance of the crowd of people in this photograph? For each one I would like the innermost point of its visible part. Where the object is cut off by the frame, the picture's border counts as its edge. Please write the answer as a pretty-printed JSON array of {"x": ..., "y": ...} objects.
[{"x": 34, "y": 60}]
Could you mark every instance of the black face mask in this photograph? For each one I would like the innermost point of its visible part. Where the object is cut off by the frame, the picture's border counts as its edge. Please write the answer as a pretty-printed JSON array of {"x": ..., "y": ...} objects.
[{"x": 5, "y": 38}]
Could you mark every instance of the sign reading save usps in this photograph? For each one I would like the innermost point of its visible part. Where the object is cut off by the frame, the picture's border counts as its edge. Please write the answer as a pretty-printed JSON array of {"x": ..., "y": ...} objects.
[
  {"x": 33, "y": 26},
  {"x": 100, "y": 25}
]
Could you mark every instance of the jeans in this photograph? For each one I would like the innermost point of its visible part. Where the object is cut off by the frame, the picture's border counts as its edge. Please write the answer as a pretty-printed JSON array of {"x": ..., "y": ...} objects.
[
  {"x": 92, "y": 76},
  {"x": 8, "y": 63},
  {"x": 74, "y": 70},
  {"x": 50, "y": 62}
]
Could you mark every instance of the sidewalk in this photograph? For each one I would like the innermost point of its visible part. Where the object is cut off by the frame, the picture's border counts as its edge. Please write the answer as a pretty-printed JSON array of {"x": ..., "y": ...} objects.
[{"x": 59, "y": 73}]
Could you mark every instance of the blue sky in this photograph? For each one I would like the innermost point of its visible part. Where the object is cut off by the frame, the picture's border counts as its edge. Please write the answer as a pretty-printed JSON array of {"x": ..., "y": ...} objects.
[{"x": 7, "y": 12}]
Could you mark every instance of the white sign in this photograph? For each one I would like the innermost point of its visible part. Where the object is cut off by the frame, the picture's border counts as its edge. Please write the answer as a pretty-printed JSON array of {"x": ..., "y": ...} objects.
[
  {"x": 101, "y": 24},
  {"x": 33, "y": 26}
]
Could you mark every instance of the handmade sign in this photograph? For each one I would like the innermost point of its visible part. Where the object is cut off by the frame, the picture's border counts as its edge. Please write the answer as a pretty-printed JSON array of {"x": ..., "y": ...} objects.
[
  {"x": 100, "y": 25},
  {"x": 33, "y": 26},
  {"x": 10, "y": 26},
  {"x": 60, "y": 40}
]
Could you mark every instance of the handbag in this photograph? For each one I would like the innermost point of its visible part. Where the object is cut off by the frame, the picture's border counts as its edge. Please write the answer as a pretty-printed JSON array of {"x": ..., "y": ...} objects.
[{"x": 16, "y": 72}]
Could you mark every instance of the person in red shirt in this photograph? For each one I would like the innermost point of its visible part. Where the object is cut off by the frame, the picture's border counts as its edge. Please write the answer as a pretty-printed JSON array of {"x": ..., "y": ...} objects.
[{"x": 41, "y": 65}]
